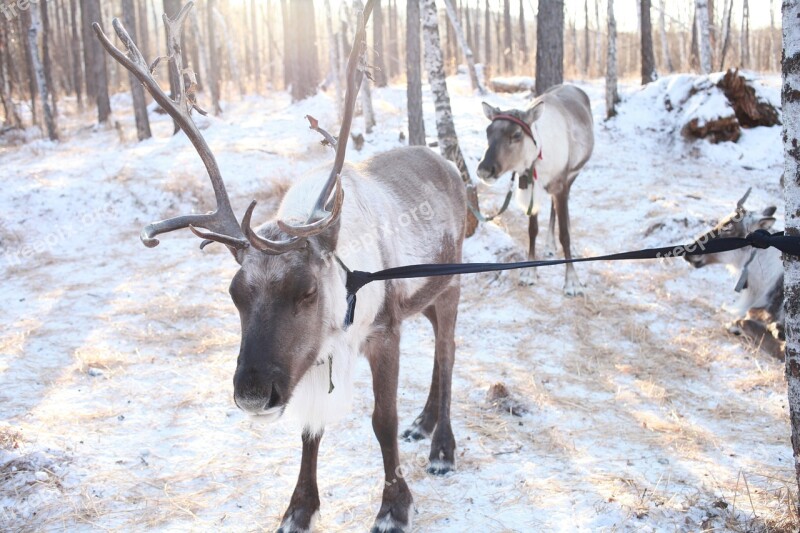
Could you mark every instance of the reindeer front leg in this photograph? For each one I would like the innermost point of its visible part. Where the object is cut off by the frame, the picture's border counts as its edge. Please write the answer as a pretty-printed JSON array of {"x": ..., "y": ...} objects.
[
  {"x": 528, "y": 276},
  {"x": 304, "y": 506},
  {"x": 383, "y": 353}
]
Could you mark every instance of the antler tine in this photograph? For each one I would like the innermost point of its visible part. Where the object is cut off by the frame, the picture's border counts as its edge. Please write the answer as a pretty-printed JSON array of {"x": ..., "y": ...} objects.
[
  {"x": 322, "y": 224},
  {"x": 740, "y": 203},
  {"x": 221, "y": 224},
  {"x": 355, "y": 73},
  {"x": 265, "y": 245}
]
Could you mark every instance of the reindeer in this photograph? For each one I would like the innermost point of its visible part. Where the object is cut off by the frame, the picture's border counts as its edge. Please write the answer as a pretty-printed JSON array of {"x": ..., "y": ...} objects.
[
  {"x": 547, "y": 145},
  {"x": 296, "y": 357},
  {"x": 759, "y": 312}
]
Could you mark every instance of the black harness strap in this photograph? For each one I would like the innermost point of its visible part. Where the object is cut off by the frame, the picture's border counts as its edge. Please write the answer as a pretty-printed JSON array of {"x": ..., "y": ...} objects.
[{"x": 760, "y": 239}]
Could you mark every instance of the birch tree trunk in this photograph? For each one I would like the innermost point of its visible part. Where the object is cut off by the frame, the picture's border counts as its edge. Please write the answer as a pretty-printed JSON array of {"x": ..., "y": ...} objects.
[
  {"x": 288, "y": 46},
  {"x": 97, "y": 66},
  {"x": 487, "y": 41},
  {"x": 445, "y": 129},
  {"x": 473, "y": 74},
  {"x": 586, "y": 54},
  {"x": 726, "y": 32},
  {"x": 611, "y": 64},
  {"x": 137, "y": 90},
  {"x": 171, "y": 9},
  {"x": 476, "y": 32},
  {"x": 549, "y": 45},
  {"x": 744, "y": 44},
  {"x": 416, "y": 122},
  {"x": 791, "y": 282},
  {"x": 703, "y": 36},
  {"x": 306, "y": 69},
  {"x": 34, "y": 32}
]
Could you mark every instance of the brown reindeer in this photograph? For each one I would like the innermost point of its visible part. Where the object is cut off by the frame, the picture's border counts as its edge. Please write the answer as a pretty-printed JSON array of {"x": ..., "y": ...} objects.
[{"x": 296, "y": 358}]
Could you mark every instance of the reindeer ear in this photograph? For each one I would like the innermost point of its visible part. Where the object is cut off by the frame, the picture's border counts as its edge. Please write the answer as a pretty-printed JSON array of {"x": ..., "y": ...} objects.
[
  {"x": 534, "y": 113},
  {"x": 768, "y": 212},
  {"x": 328, "y": 239},
  {"x": 766, "y": 223},
  {"x": 490, "y": 111}
]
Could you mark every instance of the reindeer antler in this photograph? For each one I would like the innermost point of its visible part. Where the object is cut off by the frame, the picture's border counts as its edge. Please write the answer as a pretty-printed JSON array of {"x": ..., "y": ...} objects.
[
  {"x": 356, "y": 64},
  {"x": 220, "y": 225},
  {"x": 740, "y": 203}
]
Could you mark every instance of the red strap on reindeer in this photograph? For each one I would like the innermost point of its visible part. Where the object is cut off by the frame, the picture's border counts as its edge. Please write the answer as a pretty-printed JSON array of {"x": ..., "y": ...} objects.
[{"x": 523, "y": 182}]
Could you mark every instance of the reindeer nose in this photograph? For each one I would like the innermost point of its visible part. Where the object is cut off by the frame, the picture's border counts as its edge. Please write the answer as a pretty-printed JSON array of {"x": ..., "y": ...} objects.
[
  {"x": 486, "y": 170},
  {"x": 254, "y": 392}
]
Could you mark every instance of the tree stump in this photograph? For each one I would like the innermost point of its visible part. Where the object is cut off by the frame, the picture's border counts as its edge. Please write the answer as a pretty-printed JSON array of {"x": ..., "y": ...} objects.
[{"x": 750, "y": 110}]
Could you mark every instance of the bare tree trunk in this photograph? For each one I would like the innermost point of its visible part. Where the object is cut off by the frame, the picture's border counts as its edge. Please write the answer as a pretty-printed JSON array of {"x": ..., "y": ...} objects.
[
  {"x": 213, "y": 56},
  {"x": 256, "y": 51},
  {"x": 773, "y": 54},
  {"x": 95, "y": 60},
  {"x": 394, "y": 46},
  {"x": 144, "y": 28},
  {"x": 726, "y": 32},
  {"x": 473, "y": 74},
  {"x": 306, "y": 73},
  {"x": 445, "y": 129},
  {"x": 476, "y": 32},
  {"x": 34, "y": 19},
  {"x": 649, "y": 73},
  {"x": 612, "y": 96},
  {"x": 744, "y": 45},
  {"x": 333, "y": 57},
  {"x": 46, "y": 56},
  {"x": 377, "y": 45},
  {"x": 288, "y": 46},
  {"x": 523, "y": 37},
  {"x": 586, "y": 54},
  {"x": 77, "y": 70},
  {"x": 416, "y": 122},
  {"x": 137, "y": 90},
  {"x": 487, "y": 43},
  {"x": 549, "y": 45},
  {"x": 703, "y": 36},
  {"x": 791, "y": 140},
  {"x": 171, "y": 9},
  {"x": 233, "y": 64},
  {"x": 508, "y": 56},
  {"x": 665, "y": 56}
]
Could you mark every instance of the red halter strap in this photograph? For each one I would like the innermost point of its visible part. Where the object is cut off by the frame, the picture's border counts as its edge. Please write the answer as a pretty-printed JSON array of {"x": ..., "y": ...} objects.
[{"x": 521, "y": 123}]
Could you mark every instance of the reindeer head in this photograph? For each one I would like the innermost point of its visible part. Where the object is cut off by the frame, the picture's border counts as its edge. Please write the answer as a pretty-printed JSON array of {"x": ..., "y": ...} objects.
[
  {"x": 286, "y": 284},
  {"x": 513, "y": 147},
  {"x": 739, "y": 223}
]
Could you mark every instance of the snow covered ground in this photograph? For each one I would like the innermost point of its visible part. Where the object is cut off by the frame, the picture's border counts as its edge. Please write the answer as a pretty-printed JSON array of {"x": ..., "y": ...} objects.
[{"x": 116, "y": 361}]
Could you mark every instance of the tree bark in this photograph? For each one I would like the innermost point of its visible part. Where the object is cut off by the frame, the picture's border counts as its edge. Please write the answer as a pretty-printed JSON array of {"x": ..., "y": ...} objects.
[
  {"x": 378, "y": 60},
  {"x": 137, "y": 90},
  {"x": 394, "y": 46},
  {"x": 34, "y": 20},
  {"x": 508, "y": 55},
  {"x": 416, "y": 122},
  {"x": 77, "y": 70},
  {"x": 744, "y": 45},
  {"x": 473, "y": 74},
  {"x": 665, "y": 56},
  {"x": 306, "y": 73},
  {"x": 703, "y": 36},
  {"x": 333, "y": 57},
  {"x": 288, "y": 46},
  {"x": 256, "y": 50},
  {"x": 586, "y": 53},
  {"x": 726, "y": 32},
  {"x": 476, "y": 32},
  {"x": 611, "y": 64},
  {"x": 445, "y": 129},
  {"x": 47, "y": 60},
  {"x": 487, "y": 41},
  {"x": 791, "y": 141},
  {"x": 648, "y": 56},
  {"x": 143, "y": 25},
  {"x": 95, "y": 60},
  {"x": 523, "y": 35},
  {"x": 549, "y": 45},
  {"x": 213, "y": 56}
]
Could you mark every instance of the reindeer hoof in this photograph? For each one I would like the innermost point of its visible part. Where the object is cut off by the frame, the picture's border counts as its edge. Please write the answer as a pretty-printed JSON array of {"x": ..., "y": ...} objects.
[
  {"x": 528, "y": 277},
  {"x": 291, "y": 523},
  {"x": 415, "y": 433},
  {"x": 394, "y": 517},
  {"x": 734, "y": 328},
  {"x": 573, "y": 289},
  {"x": 440, "y": 467}
]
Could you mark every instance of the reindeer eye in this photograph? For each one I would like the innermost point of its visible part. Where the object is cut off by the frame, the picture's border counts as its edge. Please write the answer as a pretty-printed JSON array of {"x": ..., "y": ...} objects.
[
  {"x": 517, "y": 135},
  {"x": 309, "y": 295}
]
